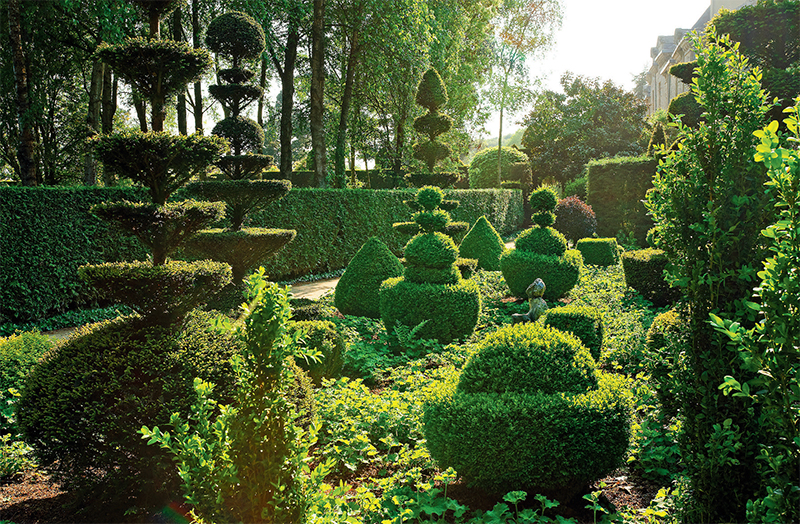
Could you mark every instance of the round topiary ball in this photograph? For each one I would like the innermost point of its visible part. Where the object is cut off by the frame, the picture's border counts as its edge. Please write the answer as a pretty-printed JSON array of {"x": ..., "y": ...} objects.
[
  {"x": 544, "y": 199},
  {"x": 83, "y": 403},
  {"x": 432, "y": 250},
  {"x": 483, "y": 168},
  {"x": 560, "y": 274},
  {"x": 429, "y": 197},
  {"x": 243, "y": 134},
  {"x": 432, "y": 221},
  {"x": 541, "y": 240},
  {"x": 550, "y": 426},
  {"x": 357, "y": 290},
  {"x": 237, "y": 35}
]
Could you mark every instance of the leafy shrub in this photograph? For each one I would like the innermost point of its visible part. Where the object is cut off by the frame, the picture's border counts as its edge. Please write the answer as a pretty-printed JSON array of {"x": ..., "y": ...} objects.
[
  {"x": 320, "y": 336},
  {"x": 435, "y": 250},
  {"x": 244, "y": 464},
  {"x": 666, "y": 359},
  {"x": 243, "y": 134},
  {"x": 553, "y": 431},
  {"x": 560, "y": 274},
  {"x": 236, "y": 34},
  {"x": 357, "y": 292},
  {"x": 15, "y": 456},
  {"x": 483, "y": 168},
  {"x": 541, "y": 240},
  {"x": 644, "y": 272},
  {"x": 685, "y": 106},
  {"x": 576, "y": 188},
  {"x": 599, "y": 251},
  {"x": 585, "y": 322},
  {"x": 574, "y": 219},
  {"x": 306, "y": 309},
  {"x": 452, "y": 310},
  {"x": 484, "y": 244},
  {"x": 80, "y": 403},
  {"x": 19, "y": 353}
]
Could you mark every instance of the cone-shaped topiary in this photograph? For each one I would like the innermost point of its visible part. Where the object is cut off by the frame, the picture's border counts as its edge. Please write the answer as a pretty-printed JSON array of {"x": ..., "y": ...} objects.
[
  {"x": 541, "y": 252},
  {"x": 357, "y": 292},
  {"x": 432, "y": 289},
  {"x": 484, "y": 244},
  {"x": 530, "y": 412},
  {"x": 432, "y": 94}
]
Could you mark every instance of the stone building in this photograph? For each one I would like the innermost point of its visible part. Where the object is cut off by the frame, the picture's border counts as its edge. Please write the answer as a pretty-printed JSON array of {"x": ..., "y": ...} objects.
[{"x": 674, "y": 49}]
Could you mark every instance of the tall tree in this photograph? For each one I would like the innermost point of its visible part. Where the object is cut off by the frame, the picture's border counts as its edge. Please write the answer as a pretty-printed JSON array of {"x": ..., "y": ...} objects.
[
  {"x": 318, "y": 92},
  {"x": 26, "y": 148},
  {"x": 522, "y": 29}
]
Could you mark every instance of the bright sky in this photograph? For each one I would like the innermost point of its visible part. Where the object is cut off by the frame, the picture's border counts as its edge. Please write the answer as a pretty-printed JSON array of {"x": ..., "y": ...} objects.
[{"x": 610, "y": 40}]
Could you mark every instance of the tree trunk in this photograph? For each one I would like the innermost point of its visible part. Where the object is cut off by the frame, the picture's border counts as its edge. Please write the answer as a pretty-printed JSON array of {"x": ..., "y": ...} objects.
[
  {"x": 287, "y": 97},
  {"x": 93, "y": 120},
  {"x": 178, "y": 36},
  {"x": 109, "y": 100},
  {"x": 500, "y": 135},
  {"x": 141, "y": 111},
  {"x": 399, "y": 142},
  {"x": 347, "y": 96},
  {"x": 198, "y": 88},
  {"x": 317, "y": 93},
  {"x": 26, "y": 149},
  {"x": 262, "y": 82}
]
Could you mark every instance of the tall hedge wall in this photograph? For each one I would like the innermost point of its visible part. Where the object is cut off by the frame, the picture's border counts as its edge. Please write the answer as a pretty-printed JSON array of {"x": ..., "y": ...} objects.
[
  {"x": 615, "y": 189},
  {"x": 46, "y": 233}
]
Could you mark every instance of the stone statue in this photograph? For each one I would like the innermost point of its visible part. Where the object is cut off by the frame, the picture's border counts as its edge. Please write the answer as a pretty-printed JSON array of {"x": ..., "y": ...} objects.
[{"x": 537, "y": 303}]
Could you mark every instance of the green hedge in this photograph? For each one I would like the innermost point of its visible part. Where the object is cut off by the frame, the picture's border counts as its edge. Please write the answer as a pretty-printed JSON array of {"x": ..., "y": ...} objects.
[
  {"x": 599, "y": 251},
  {"x": 615, "y": 189},
  {"x": 46, "y": 233},
  {"x": 333, "y": 224}
]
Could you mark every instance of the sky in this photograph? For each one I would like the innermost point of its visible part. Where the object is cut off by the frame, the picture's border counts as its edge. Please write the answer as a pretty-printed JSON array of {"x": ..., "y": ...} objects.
[{"x": 608, "y": 39}]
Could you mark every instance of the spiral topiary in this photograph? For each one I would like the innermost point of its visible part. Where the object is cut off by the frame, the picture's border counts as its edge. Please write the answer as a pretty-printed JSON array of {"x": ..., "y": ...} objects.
[
  {"x": 432, "y": 289},
  {"x": 541, "y": 252},
  {"x": 432, "y": 95},
  {"x": 530, "y": 412}
]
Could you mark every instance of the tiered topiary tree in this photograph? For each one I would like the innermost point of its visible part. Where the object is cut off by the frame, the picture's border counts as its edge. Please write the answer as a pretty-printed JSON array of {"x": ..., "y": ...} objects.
[
  {"x": 432, "y": 95},
  {"x": 484, "y": 244},
  {"x": 541, "y": 252},
  {"x": 238, "y": 38},
  {"x": 530, "y": 411},
  {"x": 432, "y": 289},
  {"x": 82, "y": 404}
]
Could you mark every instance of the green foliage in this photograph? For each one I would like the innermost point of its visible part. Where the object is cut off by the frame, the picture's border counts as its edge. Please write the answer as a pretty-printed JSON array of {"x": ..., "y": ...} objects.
[
  {"x": 431, "y": 91},
  {"x": 541, "y": 240},
  {"x": 433, "y": 250},
  {"x": 560, "y": 274},
  {"x": 484, "y": 244},
  {"x": 154, "y": 67},
  {"x": 240, "y": 196},
  {"x": 80, "y": 402},
  {"x": 686, "y": 107},
  {"x": 162, "y": 228},
  {"x": 244, "y": 463},
  {"x": 159, "y": 161},
  {"x": 433, "y": 125},
  {"x": 585, "y": 322},
  {"x": 162, "y": 294},
  {"x": 615, "y": 190},
  {"x": 55, "y": 230},
  {"x": 667, "y": 344},
  {"x": 529, "y": 358},
  {"x": 319, "y": 336},
  {"x": 543, "y": 199},
  {"x": 658, "y": 140},
  {"x": 72, "y": 318},
  {"x": 357, "y": 289},
  {"x": 452, "y": 309},
  {"x": 590, "y": 120},
  {"x": 237, "y": 35},
  {"x": 15, "y": 457},
  {"x": 504, "y": 429},
  {"x": 644, "y": 272},
  {"x": 483, "y": 167},
  {"x": 576, "y": 188},
  {"x": 19, "y": 353},
  {"x": 243, "y": 134},
  {"x": 684, "y": 71},
  {"x": 769, "y": 351},
  {"x": 574, "y": 219},
  {"x": 599, "y": 251},
  {"x": 709, "y": 207}
]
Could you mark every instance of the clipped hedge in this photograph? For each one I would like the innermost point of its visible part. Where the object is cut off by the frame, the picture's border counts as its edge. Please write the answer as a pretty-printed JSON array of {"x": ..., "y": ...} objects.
[
  {"x": 644, "y": 272},
  {"x": 599, "y": 251},
  {"x": 585, "y": 322},
  {"x": 560, "y": 274},
  {"x": 615, "y": 189},
  {"x": 45, "y": 234}
]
